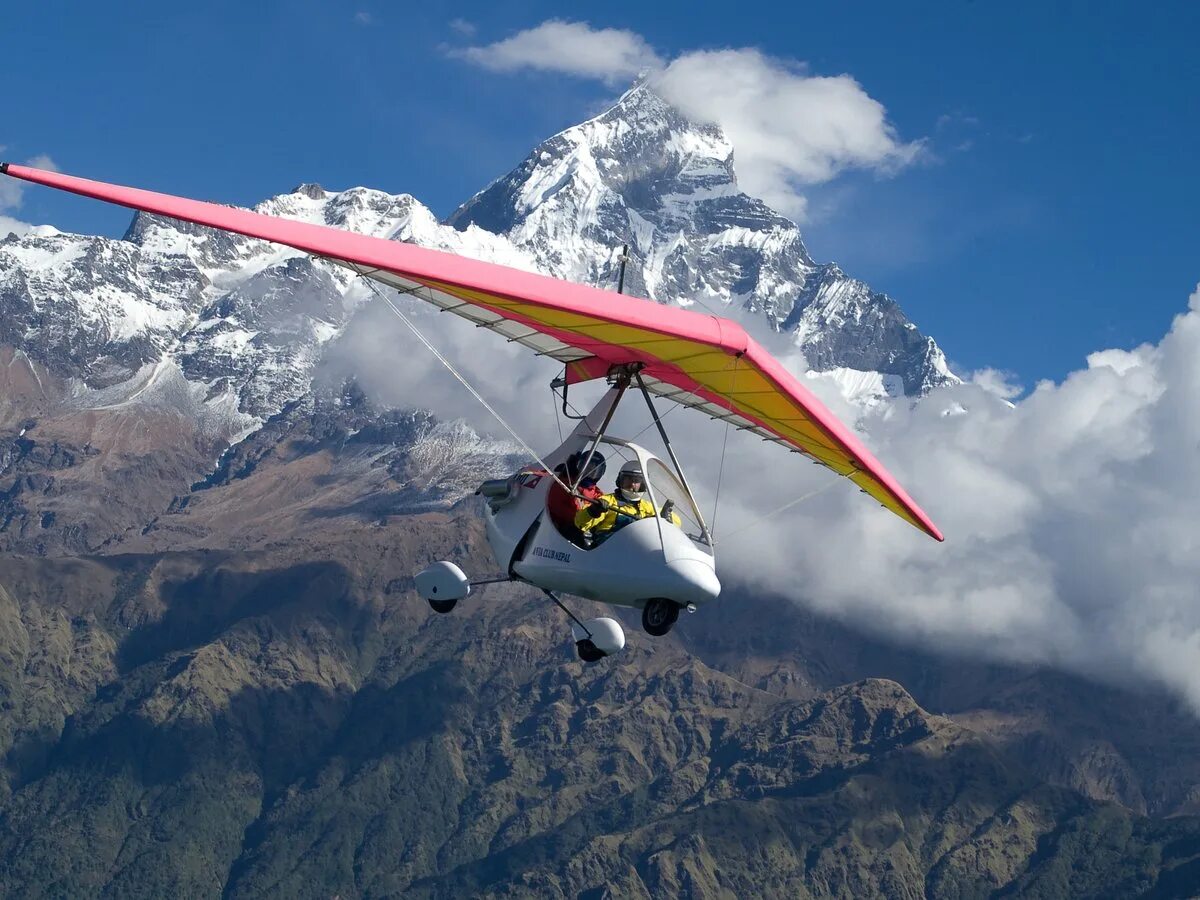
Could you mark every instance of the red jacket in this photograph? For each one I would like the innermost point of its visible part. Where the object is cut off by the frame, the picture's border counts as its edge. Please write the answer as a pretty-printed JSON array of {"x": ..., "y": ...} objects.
[{"x": 563, "y": 506}]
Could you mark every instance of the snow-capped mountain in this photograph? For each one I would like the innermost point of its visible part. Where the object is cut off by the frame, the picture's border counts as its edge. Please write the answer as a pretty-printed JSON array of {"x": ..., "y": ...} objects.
[
  {"x": 642, "y": 174},
  {"x": 223, "y": 325},
  {"x": 239, "y": 316}
]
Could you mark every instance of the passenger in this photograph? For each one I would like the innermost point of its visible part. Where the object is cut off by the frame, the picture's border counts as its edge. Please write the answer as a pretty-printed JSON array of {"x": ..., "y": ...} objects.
[
  {"x": 562, "y": 504},
  {"x": 626, "y": 504}
]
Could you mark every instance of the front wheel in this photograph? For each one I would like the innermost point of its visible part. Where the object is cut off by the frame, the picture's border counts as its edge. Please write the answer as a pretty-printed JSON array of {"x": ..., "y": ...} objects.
[
  {"x": 658, "y": 615},
  {"x": 443, "y": 606}
]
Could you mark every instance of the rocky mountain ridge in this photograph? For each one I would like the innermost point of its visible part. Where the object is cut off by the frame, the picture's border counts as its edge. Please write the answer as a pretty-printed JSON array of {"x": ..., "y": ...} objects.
[{"x": 285, "y": 720}]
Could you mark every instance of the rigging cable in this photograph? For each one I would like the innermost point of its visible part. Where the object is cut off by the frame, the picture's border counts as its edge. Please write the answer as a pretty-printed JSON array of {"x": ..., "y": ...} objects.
[
  {"x": 462, "y": 380},
  {"x": 557, "y": 420},
  {"x": 780, "y": 509},
  {"x": 649, "y": 425}
]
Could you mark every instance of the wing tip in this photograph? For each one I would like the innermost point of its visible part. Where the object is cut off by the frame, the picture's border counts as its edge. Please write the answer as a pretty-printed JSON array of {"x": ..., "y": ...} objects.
[{"x": 925, "y": 524}]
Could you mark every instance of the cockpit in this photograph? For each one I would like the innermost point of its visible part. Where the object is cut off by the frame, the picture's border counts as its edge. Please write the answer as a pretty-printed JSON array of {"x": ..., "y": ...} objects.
[
  {"x": 591, "y": 473},
  {"x": 657, "y": 563}
]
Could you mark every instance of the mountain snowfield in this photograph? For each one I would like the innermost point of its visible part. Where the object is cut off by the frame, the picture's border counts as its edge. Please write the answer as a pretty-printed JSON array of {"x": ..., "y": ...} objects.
[{"x": 231, "y": 330}]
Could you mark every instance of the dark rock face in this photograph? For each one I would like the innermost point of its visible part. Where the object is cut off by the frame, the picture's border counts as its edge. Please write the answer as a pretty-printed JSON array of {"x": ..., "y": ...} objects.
[{"x": 293, "y": 723}]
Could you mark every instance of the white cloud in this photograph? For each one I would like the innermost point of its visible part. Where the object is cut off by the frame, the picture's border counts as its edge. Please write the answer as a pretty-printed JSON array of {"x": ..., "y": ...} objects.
[
  {"x": 1072, "y": 533},
  {"x": 789, "y": 129},
  {"x": 997, "y": 382},
  {"x": 42, "y": 161},
  {"x": 1072, "y": 537},
  {"x": 12, "y": 193},
  {"x": 9, "y": 225},
  {"x": 395, "y": 369},
  {"x": 363, "y": 18},
  {"x": 463, "y": 27},
  {"x": 574, "y": 48}
]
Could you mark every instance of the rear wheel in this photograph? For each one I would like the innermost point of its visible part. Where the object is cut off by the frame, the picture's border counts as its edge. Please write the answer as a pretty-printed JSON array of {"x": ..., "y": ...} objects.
[
  {"x": 443, "y": 606},
  {"x": 658, "y": 615},
  {"x": 588, "y": 651}
]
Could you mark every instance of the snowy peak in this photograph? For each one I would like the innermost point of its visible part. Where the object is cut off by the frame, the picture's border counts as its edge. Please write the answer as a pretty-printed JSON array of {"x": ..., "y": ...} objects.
[
  {"x": 640, "y": 173},
  {"x": 238, "y": 315},
  {"x": 643, "y": 151},
  {"x": 271, "y": 310},
  {"x": 227, "y": 257},
  {"x": 643, "y": 174},
  {"x": 643, "y": 157}
]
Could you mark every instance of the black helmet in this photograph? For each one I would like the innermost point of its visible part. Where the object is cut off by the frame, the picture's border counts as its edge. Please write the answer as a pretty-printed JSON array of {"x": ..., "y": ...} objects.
[{"x": 595, "y": 467}]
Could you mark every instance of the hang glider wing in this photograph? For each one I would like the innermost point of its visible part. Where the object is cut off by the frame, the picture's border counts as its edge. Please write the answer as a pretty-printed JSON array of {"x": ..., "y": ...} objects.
[{"x": 703, "y": 361}]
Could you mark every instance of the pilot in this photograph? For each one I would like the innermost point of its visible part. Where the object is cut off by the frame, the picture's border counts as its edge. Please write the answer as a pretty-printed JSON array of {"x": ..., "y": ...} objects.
[
  {"x": 626, "y": 504},
  {"x": 561, "y": 503}
]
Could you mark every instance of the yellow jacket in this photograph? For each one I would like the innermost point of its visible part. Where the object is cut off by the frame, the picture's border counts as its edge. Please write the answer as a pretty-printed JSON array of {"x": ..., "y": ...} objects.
[{"x": 616, "y": 513}]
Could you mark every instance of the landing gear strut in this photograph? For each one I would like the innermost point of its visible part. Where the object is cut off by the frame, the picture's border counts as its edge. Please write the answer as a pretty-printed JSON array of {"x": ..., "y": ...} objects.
[
  {"x": 595, "y": 638},
  {"x": 658, "y": 615}
]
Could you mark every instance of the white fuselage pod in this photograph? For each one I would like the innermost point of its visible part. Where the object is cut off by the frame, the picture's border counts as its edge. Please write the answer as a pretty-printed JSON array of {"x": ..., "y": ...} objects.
[
  {"x": 627, "y": 569},
  {"x": 645, "y": 559}
]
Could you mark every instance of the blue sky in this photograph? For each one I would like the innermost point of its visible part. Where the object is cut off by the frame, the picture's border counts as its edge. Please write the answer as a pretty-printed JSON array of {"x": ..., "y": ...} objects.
[{"x": 1053, "y": 212}]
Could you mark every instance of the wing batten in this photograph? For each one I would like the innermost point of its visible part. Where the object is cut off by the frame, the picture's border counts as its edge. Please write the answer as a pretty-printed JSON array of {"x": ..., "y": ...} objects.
[{"x": 569, "y": 323}]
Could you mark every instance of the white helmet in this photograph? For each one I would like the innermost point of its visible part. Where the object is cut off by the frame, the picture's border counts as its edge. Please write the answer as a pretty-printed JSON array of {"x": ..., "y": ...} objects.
[{"x": 631, "y": 482}]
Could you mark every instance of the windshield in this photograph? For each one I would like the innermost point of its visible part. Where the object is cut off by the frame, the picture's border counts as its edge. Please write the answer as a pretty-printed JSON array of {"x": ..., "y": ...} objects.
[{"x": 667, "y": 487}]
